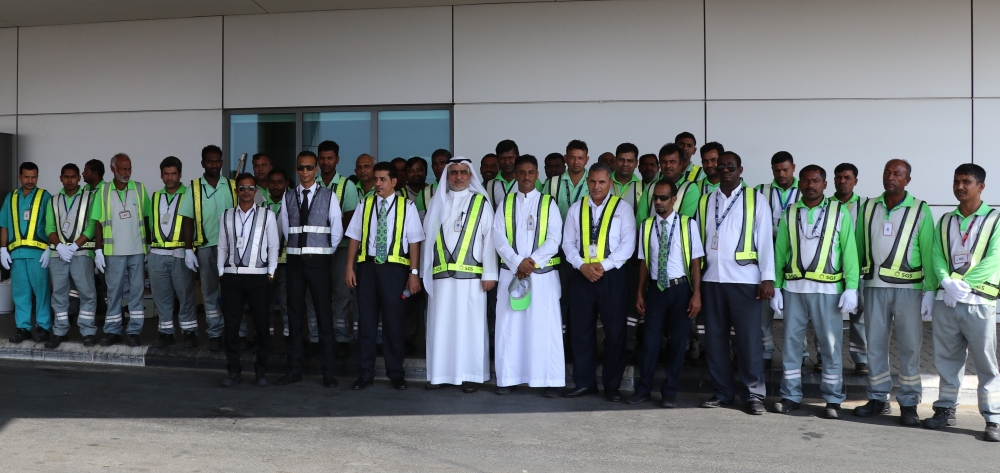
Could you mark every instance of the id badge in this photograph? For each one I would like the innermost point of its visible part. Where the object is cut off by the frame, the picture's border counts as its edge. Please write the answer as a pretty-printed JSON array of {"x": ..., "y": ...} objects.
[
  {"x": 715, "y": 242},
  {"x": 239, "y": 242},
  {"x": 65, "y": 227},
  {"x": 960, "y": 259},
  {"x": 124, "y": 214},
  {"x": 887, "y": 229},
  {"x": 27, "y": 215},
  {"x": 531, "y": 223},
  {"x": 593, "y": 251},
  {"x": 458, "y": 226}
]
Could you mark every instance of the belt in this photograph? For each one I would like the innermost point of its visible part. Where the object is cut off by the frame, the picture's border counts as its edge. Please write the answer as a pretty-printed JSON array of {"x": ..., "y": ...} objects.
[{"x": 676, "y": 281}]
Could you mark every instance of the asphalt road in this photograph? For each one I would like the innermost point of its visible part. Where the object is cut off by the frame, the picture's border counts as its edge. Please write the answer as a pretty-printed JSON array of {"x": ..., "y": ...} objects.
[{"x": 72, "y": 417}]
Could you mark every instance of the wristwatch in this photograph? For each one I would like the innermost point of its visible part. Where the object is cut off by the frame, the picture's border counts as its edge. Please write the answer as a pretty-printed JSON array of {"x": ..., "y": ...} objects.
[{"x": 414, "y": 272}]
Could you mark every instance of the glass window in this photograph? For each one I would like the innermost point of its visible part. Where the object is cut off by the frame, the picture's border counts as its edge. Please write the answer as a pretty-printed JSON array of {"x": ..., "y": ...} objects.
[
  {"x": 351, "y": 130},
  {"x": 270, "y": 133},
  {"x": 413, "y": 133}
]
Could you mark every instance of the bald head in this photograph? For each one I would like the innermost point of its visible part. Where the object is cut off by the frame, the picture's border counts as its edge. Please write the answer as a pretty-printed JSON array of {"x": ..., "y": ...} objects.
[{"x": 364, "y": 168}]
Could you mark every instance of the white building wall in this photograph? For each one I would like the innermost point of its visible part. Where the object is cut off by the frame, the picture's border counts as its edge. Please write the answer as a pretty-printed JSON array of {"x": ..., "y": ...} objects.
[{"x": 8, "y": 71}]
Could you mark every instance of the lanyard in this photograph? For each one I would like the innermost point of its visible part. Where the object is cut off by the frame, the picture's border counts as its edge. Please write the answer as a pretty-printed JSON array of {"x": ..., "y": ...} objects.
[
  {"x": 784, "y": 203},
  {"x": 822, "y": 213},
  {"x": 204, "y": 189},
  {"x": 120, "y": 197},
  {"x": 579, "y": 191},
  {"x": 670, "y": 236},
  {"x": 243, "y": 222},
  {"x": 718, "y": 220},
  {"x": 68, "y": 201},
  {"x": 593, "y": 229},
  {"x": 170, "y": 198},
  {"x": 968, "y": 232}
]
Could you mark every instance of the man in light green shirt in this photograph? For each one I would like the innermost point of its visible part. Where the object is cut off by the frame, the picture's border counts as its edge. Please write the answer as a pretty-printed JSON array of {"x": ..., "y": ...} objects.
[
  {"x": 571, "y": 186},
  {"x": 210, "y": 196},
  {"x": 504, "y": 183},
  {"x": 689, "y": 146},
  {"x": 965, "y": 270},
  {"x": 671, "y": 169},
  {"x": 709, "y": 165},
  {"x": 624, "y": 183}
]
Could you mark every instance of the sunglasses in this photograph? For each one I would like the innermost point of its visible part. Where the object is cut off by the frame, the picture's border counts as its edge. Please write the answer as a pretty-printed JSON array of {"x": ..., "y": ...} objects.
[
  {"x": 730, "y": 166},
  {"x": 662, "y": 198},
  {"x": 246, "y": 188},
  {"x": 305, "y": 167}
]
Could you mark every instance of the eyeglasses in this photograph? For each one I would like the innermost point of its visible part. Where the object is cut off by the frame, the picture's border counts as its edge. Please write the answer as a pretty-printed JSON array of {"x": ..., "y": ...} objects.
[
  {"x": 662, "y": 198},
  {"x": 730, "y": 166},
  {"x": 246, "y": 188},
  {"x": 305, "y": 167}
]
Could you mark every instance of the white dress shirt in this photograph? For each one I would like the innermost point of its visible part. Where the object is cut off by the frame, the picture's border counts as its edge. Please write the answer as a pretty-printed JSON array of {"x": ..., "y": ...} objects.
[
  {"x": 621, "y": 240},
  {"x": 244, "y": 228},
  {"x": 333, "y": 213},
  {"x": 525, "y": 206},
  {"x": 413, "y": 231},
  {"x": 675, "y": 258},
  {"x": 721, "y": 265}
]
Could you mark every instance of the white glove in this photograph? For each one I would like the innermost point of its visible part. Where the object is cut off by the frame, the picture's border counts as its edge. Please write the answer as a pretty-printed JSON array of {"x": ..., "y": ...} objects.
[
  {"x": 927, "y": 305},
  {"x": 44, "y": 259},
  {"x": 99, "y": 260},
  {"x": 65, "y": 252},
  {"x": 777, "y": 302},
  {"x": 949, "y": 301},
  {"x": 956, "y": 289},
  {"x": 5, "y": 258},
  {"x": 191, "y": 260},
  {"x": 848, "y": 301}
]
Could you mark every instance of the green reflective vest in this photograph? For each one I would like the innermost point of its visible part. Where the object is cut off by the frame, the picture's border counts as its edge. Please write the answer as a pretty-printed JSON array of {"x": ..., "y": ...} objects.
[
  {"x": 986, "y": 289},
  {"x": 460, "y": 263},
  {"x": 171, "y": 239},
  {"x": 541, "y": 232},
  {"x": 397, "y": 254},
  {"x": 822, "y": 267},
  {"x": 896, "y": 268},
  {"x": 603, "y": 232},
  {"x": 646, "y": 230},
  {"x": 746, "y": 248},
  {"x": 31, "y": 238},
  {"x": 199, "y": 224}
]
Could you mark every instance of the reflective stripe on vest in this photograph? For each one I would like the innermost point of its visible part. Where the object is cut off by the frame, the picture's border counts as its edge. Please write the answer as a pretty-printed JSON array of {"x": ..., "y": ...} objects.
[
  {"x": 746, "y": 248},
  {"x": 173, "y": 238},
  {"x": 310, "y": 239},
  {"x": 79, "y": 220},
  {"x": 541, "y": 230},
  {"x": 460, "y": 263},
  {"x": 199, "y": 225},
  {"x": 107, "y": 222},
  {"x": 29, "y": 239},
  {"x": 896, "y": 268},
  {"x": 686, "y": 249},
  {"x": 636, "y": 193},
  {"x": 682, "y": 191},
  {"x": 423, "y": 196},
  {"x": 251, "y": 261},
  {"x": 979, "y": 247},
  {"x": 276, "y": 208},
  {"x": 821, "y": 269},
  {"x": 693, "y": 175},
  {"x": 338, "y": 190},
  {"x": 603, "y": 233},
  {"x": 396, "y": 252}
]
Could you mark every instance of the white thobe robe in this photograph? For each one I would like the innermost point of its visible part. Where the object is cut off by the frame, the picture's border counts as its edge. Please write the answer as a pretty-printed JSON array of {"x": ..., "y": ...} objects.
[
  {"x": 458, "y": 339},
  {"x": 529, "y": 345}
]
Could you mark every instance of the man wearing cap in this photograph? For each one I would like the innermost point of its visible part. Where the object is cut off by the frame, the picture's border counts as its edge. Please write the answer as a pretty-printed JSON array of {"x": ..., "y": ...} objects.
[
  {"x": 527, "y": 230},
  {"x": 459, "y": 265}
]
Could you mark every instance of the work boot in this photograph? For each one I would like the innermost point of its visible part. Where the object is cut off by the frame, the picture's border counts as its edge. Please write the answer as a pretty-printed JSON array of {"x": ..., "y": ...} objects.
[
  {"x": 165, "y": 340},
  {"x": 89, "y": 341},
  {"x": 190, "y": 339},
  {"x": 873, "y": 408},
  {"x": 786, "y": 406},
  {"x": 21, "y": 335},
  {"x": 133, "y": 340},
  {"x": 41, "y": 335},
  {"x": 111, "y": 339},
  {"x": 861, "y": 369},
  {"x": 55, "y": 341},
  {"x": 831, "y": 411},
  {"x": 908, "y": 416},
  {"x": 992, "y": 433},
  {"x": 943, "y": 416}
]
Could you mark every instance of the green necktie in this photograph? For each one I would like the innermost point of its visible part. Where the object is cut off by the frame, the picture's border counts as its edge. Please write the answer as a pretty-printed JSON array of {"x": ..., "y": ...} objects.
[
  {"x": 661, "y": 261},
  {"x": 381, "y": 248}
]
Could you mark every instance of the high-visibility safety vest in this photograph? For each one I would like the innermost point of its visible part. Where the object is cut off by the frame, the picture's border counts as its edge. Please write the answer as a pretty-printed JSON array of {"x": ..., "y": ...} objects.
[
  {"x": 276, "y": 208},
  {"x": 896, "y": 268},
  {"x": 173, "y": 238},
  {"x": 979, "y": 248},
  {"x": 541, "y": 230},
  {"x": 254, "y": 258},
  {"x": 460, "y": 263},
  {"x": 107, "y": 220},
  {"x": 81, "y": 203},
  {"x": 822, "y": 267},
  {"x": 199, "y": 224},
  {"x": 637, "y": 194},
  {"x": 646, "y": 230},
  {"x": 31, "y": 238},
  {"x": 746, "y": 247},
  {"x": 692, "y": 175},
  {"x": 397, "y": 254},
  {"x": 338, "y": 190},
  {"x": 423, "y": 197},
  {"x": 603, "y": 233}
]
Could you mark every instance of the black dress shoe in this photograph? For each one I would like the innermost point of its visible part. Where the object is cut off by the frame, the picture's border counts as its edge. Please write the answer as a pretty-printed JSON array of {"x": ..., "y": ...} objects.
[
  {"x": 638, "y": 398},
  {"x": 580, "y": 391},
  {"x": 164, "y": 340},
  {"x": 133, "y": 340},
  {"x": 190, "y": 340},
  {"x": 469, "y": 388},
  {"x": 713, "y": 402},
  {"x": 287, "y": 379},
  {"x": 261, "y": 381},
  {"x": 232, "y": 380},
  {"x": 111, "y": 339},
  {"x": 89, "y": 341},
  {"x": 786, "y": 406},
  {"x": 55, "y": 341},
  {"x": 550, "y": 392},
  {"x": 329, "y": 382},
  {"x": 502, "y": 390},
  {"x": 215, "y": 344},
  {"x": 362, "y": 383},
  {"x": 432, "y": 386},
  {"x": 398, "y": 384},
  {"x": 613, "y": 395},
  {"x": 755, "y": 407},
  {"x": 20, "y": 336},
  {"x": 41, "y": 335},
  {"x": 668, "y": 402}
]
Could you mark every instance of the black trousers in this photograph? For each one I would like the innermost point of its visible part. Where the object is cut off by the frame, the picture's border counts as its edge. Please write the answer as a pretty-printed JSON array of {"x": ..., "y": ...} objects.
[
  {"x": 380, "y": 289},
  {"x": 252, "y": 288},
  {"x": 730, "y": 306},
  {"x": 587, "y": 299},
  {"x": 666, "y": 314},
  {"x": 312, "y": 271},
  {"x": 632, "y": 334}
]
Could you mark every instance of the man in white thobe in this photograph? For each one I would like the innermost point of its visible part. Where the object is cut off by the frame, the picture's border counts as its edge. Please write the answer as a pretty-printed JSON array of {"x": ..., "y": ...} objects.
[
  {"x": 459, "y": 265},
  {"x": 529, "y": 345}
]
